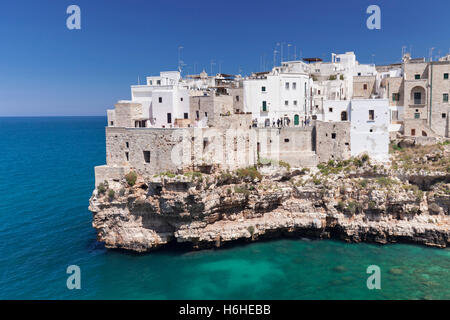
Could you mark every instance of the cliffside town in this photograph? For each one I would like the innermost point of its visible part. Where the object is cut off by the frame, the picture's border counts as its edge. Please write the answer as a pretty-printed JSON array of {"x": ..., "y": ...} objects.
[{"x": 326, "y": 150}]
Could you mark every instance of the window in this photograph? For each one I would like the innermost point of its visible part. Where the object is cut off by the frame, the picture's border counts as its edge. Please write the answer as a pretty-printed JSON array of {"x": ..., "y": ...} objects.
[
  {"x": 330, "y": 109},
  {"x": 333, "y": 136},
  {"x": 413, "y": 132},
  {"x": 359, "y": 74},
  {"x": 417, "y": 97},
  {"x": 445, "y": 97},
  {"x": 186, "y": 115},
  {"x": 264, "y": 106},
  {"x": 237, "y": 98},
  {"x": 160, "y": 99},
  {"x": 396, "y": 97},
  {"x": 151, "y": 82},
  {"x": 263, "y": 89},
  {"x": 286, "y": 103},
  {"x": 416, "y": 115},
  {"x": 371, "y": 115},
  {"x": 444, "y": 115},
  {"x": 417, "y": 76},
  {"x": 206, "y": 114},
  {"x": 445, "y": 76},
  {"x": 295, "y": 102},
  {"x": 147, "y": 156},
  {"x": 127, "y": 145},
  {"x": 294, "y": 85},
  {"x": 158, "y": 82},
  {"x": 127, "y": 155},
  {"x": 365, "y": 86},
  {"x": 286, "y": 85},
  {"x": 181, "y": 99},
  {"x": 112, "y": 123},
  {"x": 286, "y": 140},
  {"x": 169, "y": 118},
  {"x": 318, "y": 91},
  {"x": 197, "y": 114}
]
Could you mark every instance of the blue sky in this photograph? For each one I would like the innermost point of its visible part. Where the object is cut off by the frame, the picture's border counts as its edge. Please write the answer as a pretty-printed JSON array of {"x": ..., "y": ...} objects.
[{"x": 46, "y": 69}]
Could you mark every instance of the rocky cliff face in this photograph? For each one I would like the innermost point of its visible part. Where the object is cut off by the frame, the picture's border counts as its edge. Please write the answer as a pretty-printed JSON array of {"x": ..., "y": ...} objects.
[{"x": 350, "y": 200}]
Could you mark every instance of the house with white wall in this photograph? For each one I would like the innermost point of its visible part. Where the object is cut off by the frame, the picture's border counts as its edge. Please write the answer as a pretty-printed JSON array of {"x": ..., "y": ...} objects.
[
  {"x": 369, "y": 124},
  {"x": 282, "y": 93},
  {"x": 369, "y": 131},
  {"x": 163, "y": 101}
]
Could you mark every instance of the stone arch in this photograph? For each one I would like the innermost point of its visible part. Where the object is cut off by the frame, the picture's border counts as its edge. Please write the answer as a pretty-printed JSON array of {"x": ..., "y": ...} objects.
[{"x": 418, "y": 95}]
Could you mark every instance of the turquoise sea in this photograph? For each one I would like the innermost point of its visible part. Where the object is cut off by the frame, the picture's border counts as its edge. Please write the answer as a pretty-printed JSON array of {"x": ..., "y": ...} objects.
[{"x": 46, "y": 179}]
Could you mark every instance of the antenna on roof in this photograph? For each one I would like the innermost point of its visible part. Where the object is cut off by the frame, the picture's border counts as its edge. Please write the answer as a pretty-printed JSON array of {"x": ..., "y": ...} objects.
[
  {"x": 431, "y": 54},
  {"x": 275, "y": 57},
  {"x": 212, "y": 63},
  {"x": 179, "y": 58}
]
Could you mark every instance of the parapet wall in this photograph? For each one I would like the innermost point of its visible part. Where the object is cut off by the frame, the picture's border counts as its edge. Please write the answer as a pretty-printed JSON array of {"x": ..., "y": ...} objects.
[{"x": 150, "y": 151}]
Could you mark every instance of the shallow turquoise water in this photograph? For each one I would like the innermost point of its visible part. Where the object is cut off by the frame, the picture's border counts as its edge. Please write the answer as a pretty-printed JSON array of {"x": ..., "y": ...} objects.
[{"x": 46, "y": 179}]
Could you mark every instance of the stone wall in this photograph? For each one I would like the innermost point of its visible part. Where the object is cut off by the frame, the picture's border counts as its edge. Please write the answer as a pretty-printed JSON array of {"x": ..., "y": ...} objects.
[
  {"x": 439, "y": 108},
  {"x": 151, "y": 151},
  {"x": 332, "y": 140},
  {"x": 210, "y": 107},
  {"x": 392, "y": 86},
  {"x": 238, "y": 98},
  {"x": 292, "y": 145},
  {"x": 126, "y": 113},
  {"x": 364, "y": 86}
]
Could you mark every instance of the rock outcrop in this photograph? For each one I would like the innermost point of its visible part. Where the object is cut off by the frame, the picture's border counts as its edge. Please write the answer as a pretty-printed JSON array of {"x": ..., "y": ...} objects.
[{"x": 350, "y": 200}]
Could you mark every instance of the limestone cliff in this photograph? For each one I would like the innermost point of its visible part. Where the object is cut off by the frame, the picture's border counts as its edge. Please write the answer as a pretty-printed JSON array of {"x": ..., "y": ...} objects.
[{"x": 350, "y": 200}]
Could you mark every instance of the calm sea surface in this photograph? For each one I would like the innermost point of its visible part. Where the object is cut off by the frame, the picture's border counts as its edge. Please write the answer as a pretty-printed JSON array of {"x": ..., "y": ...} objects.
[{"x": 46, "y": 179}]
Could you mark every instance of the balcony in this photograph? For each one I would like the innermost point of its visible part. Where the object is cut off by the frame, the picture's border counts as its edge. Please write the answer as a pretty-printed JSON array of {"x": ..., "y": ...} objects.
[{"x": 417, "y": 97}]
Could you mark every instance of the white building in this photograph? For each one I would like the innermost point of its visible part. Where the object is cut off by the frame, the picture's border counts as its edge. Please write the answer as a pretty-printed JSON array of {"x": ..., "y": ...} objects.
[
  {"x": 282, "y": 93},
  {"x": 164, "y": 99},
  {"x": 369, "y": 123}
]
